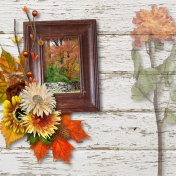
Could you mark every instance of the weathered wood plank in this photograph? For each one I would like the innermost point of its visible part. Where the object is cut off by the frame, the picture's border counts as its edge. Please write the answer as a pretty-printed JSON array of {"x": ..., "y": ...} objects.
[
  {"x": 113, "y": 17},
  {"x": 114, "y": 52},
  {"x": 87, "y": 162},
  {"x": 113, "y": 130}
]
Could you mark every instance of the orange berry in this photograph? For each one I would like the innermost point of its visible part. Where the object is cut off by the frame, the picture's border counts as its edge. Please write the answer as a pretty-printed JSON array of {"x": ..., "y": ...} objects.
[
  {"x": 25, "y": 53},
  {"x": 29, "y": 74},
  {"x": 31, "y": 36},
  {"x": 34, "y": 13},
  {"x": 24, "y": 9}
]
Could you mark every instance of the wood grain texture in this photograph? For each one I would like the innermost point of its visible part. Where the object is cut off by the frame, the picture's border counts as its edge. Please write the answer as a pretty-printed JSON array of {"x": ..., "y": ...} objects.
[{"x": 123, "y": 135}]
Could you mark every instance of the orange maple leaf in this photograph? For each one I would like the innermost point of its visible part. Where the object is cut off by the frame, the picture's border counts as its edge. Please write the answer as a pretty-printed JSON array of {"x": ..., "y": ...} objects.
[
  {"x": 9, "y": 135},
  {"x": 61, "y": 148},
  {"x": 40, "y": 149},
  {"x": 74, "y": 128}
]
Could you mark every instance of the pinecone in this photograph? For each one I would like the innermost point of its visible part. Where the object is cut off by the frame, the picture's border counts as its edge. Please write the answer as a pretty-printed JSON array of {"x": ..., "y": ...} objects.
[{"x": 62, "y": 131}]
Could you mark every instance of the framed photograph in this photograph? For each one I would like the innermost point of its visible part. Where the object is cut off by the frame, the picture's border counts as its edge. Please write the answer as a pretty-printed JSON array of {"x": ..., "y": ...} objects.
[{"x": 67, "y": 62}]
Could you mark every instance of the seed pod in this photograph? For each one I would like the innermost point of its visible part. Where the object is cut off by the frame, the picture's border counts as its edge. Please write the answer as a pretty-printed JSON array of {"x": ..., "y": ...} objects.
[{"x": 34, "y": 13}]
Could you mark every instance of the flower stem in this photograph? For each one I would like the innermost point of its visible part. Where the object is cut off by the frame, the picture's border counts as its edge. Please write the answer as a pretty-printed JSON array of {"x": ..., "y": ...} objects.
[{"x": 159, "y": 128}]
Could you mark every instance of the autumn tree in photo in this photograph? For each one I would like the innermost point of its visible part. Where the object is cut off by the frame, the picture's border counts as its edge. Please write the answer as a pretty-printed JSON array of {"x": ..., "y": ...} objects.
[{"x": 61, "y": 60}]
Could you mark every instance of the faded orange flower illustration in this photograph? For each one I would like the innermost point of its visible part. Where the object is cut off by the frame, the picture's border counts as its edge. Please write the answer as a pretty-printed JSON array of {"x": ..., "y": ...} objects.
[{"x": 154, "y": 24}]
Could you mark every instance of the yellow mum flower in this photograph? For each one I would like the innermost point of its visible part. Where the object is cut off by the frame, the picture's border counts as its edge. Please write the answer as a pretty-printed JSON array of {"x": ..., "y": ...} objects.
[
  {"x": 12, "y": 115},
  {"x": 16, "y": 40},
  {"x": 44, "y": 126}
]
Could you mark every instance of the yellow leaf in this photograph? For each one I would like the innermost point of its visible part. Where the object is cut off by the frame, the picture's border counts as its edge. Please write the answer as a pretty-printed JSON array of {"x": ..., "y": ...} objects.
[
  {"x": 7, "y": 62},
  {"x": 3, "y": 87},
  {"x": 21, "y": 62},
  {"x": 18, "y": 61},
  {"x": 9, "y": 135},
  {"x": 15, "y": 41}
]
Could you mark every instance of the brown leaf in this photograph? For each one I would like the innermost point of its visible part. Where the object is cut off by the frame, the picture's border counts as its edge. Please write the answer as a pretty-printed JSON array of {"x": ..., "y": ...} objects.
[
  {"x": 74, "y": 128},
  {"x": 40, "y": 149},
  {"x": 7, "y": 62},
  {"x": 9, "y": 135},
  {"x": 61, "y": 148}
]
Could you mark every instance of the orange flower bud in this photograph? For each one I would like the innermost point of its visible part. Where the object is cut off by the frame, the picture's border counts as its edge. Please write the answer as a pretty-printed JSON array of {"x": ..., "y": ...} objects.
[
  {"x": 36, "y": 57},
  {"x": 24, "y": 9},
  {"x": 26, "y": 83},
  {"x": 34, "y": 13},
  {"x": 32, "y": 56},
  {"x": 34, "y": 80},
  {"x": 29, "y": 74},
  {"x": 30, "y": 79},
  {"x": 25, "y": 53},
  {"x": 31, "y": 36}
]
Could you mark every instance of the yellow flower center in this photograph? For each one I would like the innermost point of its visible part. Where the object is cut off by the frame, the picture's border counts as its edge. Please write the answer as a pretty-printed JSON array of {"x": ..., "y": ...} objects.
[{"x": 17, "y": 114}]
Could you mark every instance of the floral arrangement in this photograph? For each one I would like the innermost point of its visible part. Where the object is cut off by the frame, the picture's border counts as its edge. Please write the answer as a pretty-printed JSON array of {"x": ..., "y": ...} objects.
[
  {"x": 29, "y": 106},
  {"x": 154, "y": 27}
]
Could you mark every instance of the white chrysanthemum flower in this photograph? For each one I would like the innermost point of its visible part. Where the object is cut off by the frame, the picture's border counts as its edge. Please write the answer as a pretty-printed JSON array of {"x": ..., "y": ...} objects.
[{"x": 36, "y": 98}]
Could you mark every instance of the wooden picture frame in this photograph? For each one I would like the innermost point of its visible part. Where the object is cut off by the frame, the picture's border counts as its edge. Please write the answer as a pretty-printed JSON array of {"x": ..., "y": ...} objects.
[{"x": 87, "y": 100}]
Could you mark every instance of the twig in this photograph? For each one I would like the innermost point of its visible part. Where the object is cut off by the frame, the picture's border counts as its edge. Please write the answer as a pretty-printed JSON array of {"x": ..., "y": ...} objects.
[{"x": 15, "y": 35}]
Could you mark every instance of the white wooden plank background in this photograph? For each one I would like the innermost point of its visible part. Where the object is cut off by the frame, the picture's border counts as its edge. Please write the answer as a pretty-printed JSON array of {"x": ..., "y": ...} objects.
[{"x": 123, "y": 134}]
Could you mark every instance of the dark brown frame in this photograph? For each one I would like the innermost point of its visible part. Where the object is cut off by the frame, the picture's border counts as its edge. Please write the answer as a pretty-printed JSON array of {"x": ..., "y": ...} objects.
[{"x": 88, "y": 98}]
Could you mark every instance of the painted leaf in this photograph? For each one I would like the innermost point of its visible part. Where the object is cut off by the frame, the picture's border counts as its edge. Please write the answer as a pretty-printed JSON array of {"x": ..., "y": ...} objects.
[
  {"x": 9, "y": 135},
  {"x": 136, "y": 93},
  {"x": 147, "y": 80},
  {"x": 169, "y": 116},
  {"x": 173, "y": 93},
  {"x": 137, "y": 63},
  {"x": 7, "y": 62},
  {"x": 40, "y": 149},
  {"x": 3, "y": 87},
  {"x": 159, "y": 85},
  {"x": 167, "y": 67},
  {"x": 61, "y": 148},
  {"x": 74, "y": 128}
]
